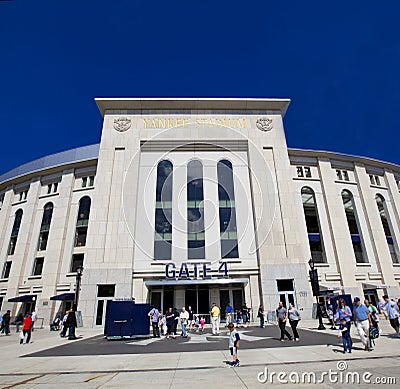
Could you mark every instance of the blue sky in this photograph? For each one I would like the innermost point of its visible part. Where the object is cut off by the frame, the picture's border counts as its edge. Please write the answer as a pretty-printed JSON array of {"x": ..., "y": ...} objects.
[{"x": 339, "y": 63}]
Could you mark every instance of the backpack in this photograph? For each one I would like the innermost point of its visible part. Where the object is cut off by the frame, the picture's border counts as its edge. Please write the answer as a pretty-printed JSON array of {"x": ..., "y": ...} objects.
[{"x": 373, "y": 333}]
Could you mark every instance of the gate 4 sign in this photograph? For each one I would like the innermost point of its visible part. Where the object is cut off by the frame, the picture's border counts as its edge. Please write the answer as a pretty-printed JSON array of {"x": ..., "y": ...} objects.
[{"x": 188, "y": 270}]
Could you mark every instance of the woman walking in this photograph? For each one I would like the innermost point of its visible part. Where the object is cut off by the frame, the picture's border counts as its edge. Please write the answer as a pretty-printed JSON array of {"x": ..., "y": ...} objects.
[
  {"x": 294, "y": 318},
  {"x": 170, "y": 318}
]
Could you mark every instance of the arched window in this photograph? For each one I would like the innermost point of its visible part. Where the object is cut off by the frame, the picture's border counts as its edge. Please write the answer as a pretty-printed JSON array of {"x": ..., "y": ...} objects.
[
  {"x": 163, "y": 218},
  {"x": 356, "y": 238},
  {"x": 387, "y": 228},
  {"x": 45, "y": 226},
  {"x": 195, "y": 210},
  {"x": 227, "y": 211},
  {"x": 313, "y": 226},
  {"x": 82, "y": 221},
  {"x": 14, "y": 232}
]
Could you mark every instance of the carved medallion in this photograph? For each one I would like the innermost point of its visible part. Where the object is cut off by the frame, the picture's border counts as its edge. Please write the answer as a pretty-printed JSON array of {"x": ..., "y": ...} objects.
[
  {"x": 264, "y": 124},
  {"x": 122, "y": 124}
]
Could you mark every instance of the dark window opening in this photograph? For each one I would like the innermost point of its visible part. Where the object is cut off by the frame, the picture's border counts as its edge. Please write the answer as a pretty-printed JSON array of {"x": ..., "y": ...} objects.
[
  {"x": 38, "y": 267},
  {"x": 77, "y": 261}
]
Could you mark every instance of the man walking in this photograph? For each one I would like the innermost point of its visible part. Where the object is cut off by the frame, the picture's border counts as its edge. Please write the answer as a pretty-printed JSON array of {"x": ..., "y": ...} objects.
[
  {"x": 154, "y": 315},
  {"x": 34, "y": 316},
  {"x": 362, "y": 318},
  {"x": 281, "y": 318},
  {"x": 184, "y": 316},
  {"x": 215, "y": 314},
  {"x": 228, "y": 313},
  {"x": 392, "y": 310},
  {"x": 5, "y": 325}
]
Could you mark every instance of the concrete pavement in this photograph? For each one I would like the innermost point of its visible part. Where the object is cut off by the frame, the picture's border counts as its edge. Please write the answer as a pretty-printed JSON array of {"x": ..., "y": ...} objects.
[{"x": 191, "y": 368}]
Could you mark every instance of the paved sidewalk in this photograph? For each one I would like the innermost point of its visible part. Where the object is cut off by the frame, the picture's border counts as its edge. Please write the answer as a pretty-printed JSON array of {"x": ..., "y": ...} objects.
[{"x": 174, "y": 369}]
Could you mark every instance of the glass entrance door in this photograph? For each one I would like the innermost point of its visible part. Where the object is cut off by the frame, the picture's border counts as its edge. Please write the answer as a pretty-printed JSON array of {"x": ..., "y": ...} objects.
[
  {"x": 198, "y": 299},
  {"x": 234, "y": 296}
]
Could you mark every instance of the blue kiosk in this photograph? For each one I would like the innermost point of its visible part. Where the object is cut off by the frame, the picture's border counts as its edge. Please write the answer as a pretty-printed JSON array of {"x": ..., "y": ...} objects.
[{"x": 125, "y": 319}]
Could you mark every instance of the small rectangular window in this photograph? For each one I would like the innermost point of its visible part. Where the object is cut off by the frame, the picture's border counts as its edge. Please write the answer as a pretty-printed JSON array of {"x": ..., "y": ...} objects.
[
  {"x": 371, "y": 179},
  {"x": 339, "y": 175},
  {"x": 307, "y": 172},
  {"x": 84, "y": 182},
  {"x": 105, "y": 290},
  {"x": 91, "y": 180},
  {"x": 49, "y": 189},
  {"x": 55, "y": 187},
  {"x": 300, "y": 171},
  {"x": 6, "y": 269},
  {"x": 377, "y": 181},
  {"x": 77, "y": 261},
  {"x": 345, "y": 175},
  {"x": 38, "y": 266}
]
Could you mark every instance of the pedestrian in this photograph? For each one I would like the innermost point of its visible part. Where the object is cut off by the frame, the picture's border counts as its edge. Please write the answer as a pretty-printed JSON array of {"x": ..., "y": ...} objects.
[
  {"x": 344, "y": 333},
  {"x": 63, "y": 332},
  {"x": 176, "y": 318},
  {"x": 261, "y": 315},
  {"x": 294, "y": 318},
  {"x": 245, "y": 312},
  {"x": 18, "y": 321},
  {"x": 197, "y": 322},
  {"x": 234, "y": 340},
  {"x": 26, "y": 329},
  {"x": 190, "y": 323},
  {"x": 281, "y": 318},
  {"x": 392, "y": 310},
  {"x": 34, "y": 317},
  {"x": 228, "y": 313},
  {"x": 343, "y": 311},
  {"x": 71, "y": 324},
  {"x": 363, "y": 321},
  {"x": 238, "y": 317},
  {"x": 154, "y": 316},
  {"x": 330, "y": 314},
  {"x": 202, "y": 323},
  {"x": 215, "y": 315},
  {"x": 5, "y": 325},
  {"x": 184, "y": 318},
  {"x": 170, "y": 318},
  {"x": 374, "y": 314}
]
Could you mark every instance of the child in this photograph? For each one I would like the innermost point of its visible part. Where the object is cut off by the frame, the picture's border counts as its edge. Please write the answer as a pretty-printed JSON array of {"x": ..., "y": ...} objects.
[
  {"x": 330, "y": 315},
  {"x": 202, "y": 322},
  {"x": 234, "y": 340},
  {"x": 345, "y": 334},
  {"x": 196, "y": 322}
]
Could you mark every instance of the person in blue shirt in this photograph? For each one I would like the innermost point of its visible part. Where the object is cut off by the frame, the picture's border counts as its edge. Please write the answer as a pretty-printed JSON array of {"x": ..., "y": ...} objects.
[
  {"x": 343, "y": 312},
  {"x": 228, "y": 313},
  {"x": 392, "y": 310},
  {"x": 362, "y": 318},
  {"x": 344, "y": 333}
]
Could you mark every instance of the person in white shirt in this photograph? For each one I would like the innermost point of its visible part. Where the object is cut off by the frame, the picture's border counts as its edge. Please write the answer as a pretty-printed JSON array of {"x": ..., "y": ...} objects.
[
  {"x": 392, "y": 310},
  {"x": 184, "y": 317},
  {"x": 34, "y": 316}
]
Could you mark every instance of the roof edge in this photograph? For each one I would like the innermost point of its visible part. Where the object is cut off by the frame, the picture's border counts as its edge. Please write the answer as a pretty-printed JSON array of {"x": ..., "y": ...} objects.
[{"x": 181, "y": 103}]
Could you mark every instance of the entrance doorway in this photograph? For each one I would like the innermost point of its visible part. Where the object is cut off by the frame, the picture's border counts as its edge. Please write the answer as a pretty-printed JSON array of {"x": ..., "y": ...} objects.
[
  {"x": 104, "y": 293},
  {"x": 231, "y": 295},
  {"x": 372, "y": 296},
  {"x": 162, "y": 299},
  {"x": 199, "y": 299}
]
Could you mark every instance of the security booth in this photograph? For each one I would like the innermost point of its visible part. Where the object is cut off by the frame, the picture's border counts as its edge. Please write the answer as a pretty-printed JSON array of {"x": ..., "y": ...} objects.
[{"x": 125, "y": 319}]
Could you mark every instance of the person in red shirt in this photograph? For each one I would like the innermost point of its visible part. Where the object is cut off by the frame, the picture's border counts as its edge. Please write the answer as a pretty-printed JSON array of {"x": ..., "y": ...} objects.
[{"x": 26, "y": 328}]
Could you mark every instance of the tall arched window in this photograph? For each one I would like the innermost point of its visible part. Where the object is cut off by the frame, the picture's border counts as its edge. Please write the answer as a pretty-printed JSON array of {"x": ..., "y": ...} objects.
[
  {"x": 227, "y": 211},
  {"x": 14, "y": 232},
  {"x": 163, "y": 218},
  {"x": 82, "y": 221},
  {"x": 356, "y": 238},
  {"x": 195, "y": 210},
  {"x": 387, "y": 228},
  {"x": 45, "y": 226},
  {"x": 313, "y": 226}
]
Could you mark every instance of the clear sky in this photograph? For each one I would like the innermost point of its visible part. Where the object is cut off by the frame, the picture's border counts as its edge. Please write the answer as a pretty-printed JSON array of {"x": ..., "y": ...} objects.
[{"x": 338, "y": 61}]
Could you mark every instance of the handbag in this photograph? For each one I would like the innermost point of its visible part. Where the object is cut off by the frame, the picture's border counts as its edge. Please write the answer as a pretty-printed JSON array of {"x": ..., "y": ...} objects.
[{"x": 21, "y": 335}]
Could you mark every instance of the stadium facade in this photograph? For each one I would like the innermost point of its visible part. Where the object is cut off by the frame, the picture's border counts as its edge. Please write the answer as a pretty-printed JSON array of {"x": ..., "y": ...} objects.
[{"x": 193, "y": 201}]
